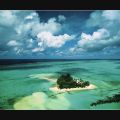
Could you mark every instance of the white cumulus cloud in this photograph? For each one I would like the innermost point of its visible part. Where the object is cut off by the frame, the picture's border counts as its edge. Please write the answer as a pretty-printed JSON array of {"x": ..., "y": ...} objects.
[
  {"x": 7, "y": 18},
  {"x": 95, "y": 41},
  {"x": 25, "y": 26},
  {"x": 106, "y": 36},
  {"x": 13, "y": 43},
  {"x": 49, "y": 40},
  {"x": 50, "y": 26},
  {"x": 37, "y": 49},
  {"x": 61, "y": 18}
]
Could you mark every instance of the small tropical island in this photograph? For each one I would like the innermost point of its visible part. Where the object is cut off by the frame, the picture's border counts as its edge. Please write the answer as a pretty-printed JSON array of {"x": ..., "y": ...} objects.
[{"x": 66, "y": 82}]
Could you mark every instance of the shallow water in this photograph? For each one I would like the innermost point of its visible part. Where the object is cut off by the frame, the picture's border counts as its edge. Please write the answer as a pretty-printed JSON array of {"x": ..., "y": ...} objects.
[{"x": 18, "y": 88}]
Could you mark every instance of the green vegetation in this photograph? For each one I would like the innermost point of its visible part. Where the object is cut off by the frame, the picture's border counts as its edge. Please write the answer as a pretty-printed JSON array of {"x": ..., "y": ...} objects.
[
  {"x": 115, "y": 98},
  {"x": 67, "y": 81}
]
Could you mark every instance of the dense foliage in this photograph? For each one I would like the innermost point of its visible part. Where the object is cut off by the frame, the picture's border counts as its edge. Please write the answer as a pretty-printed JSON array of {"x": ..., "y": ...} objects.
[
  {"x": 114, "y": 98},
  {"x": 67, "y": 81}
]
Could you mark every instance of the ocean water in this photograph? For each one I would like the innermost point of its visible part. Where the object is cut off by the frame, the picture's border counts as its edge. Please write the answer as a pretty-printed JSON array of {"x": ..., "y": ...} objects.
[{"x": 22, "y": 88}]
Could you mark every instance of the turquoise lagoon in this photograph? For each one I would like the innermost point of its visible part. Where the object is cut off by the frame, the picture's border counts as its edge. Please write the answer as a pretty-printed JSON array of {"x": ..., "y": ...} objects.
[{"x": 22, "y": 88}]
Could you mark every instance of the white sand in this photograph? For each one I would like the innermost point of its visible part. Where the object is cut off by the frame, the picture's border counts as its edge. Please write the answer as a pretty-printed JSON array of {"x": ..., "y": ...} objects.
[
  {"x": 44, "y": 76},
  {"x": 56, "y": 89},
  {"x": 40, "y": 101},
  {"x": 34, "y": 101}
]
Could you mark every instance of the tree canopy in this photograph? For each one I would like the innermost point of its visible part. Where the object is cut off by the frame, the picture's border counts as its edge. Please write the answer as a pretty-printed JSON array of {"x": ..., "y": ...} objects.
[{"x": 67, "y": 81}]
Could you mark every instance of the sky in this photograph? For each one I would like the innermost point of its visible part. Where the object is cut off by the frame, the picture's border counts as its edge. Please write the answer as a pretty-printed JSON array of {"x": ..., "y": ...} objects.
[{"x": 30, "y": 34}]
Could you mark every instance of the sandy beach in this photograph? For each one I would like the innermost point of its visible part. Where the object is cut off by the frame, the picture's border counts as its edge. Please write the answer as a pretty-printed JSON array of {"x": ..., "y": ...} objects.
[{"x": 56, "y": 89}]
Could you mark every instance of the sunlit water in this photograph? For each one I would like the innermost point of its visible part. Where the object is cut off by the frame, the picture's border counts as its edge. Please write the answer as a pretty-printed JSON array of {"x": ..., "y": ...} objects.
[{"x": 19, "y": 90}]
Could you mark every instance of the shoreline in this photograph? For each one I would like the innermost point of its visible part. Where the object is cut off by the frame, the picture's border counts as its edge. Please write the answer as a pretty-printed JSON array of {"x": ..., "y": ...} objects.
[
  {"x": 49, "y": 76},
  {"x": 56, "y": 89}
]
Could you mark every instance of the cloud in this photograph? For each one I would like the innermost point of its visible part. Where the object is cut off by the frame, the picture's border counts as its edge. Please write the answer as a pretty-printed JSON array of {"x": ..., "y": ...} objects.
[
  {"x": 23, "y": 32},
  {"x": 7, "y": 18},
  {"x": 19, "y": 31},
  {"x": 13, "y": 26},
  {"x": 49, "y": 40},
  {"x": 96, "y": 41},
  {"x": 61, "y": 18},
  {"x": 111, "y": 15},
  {"x": 106, "y": 36},
  {"x": 72, "y": 49},
  {"x": 21, "y": 22},
  {"x": 108, "y": 19},
  {"x": 13, "y": 43},
  {"x": 50, "y": 26},
  {"x": 95, "y": 19},
  {"x": 37, "y": 49},
  {"x": 31, "y": 16}
]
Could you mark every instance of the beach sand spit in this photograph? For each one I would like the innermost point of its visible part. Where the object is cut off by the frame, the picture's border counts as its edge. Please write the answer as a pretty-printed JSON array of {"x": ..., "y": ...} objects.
[{"x": 56, "y": 89}]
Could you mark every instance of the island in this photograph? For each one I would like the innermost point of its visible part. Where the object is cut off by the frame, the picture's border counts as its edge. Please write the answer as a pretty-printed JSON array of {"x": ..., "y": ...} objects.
[
  {"x": 66, "y": 82},
  {"x": 114, "y": 99}
]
